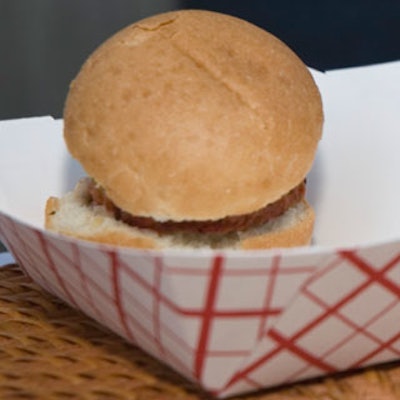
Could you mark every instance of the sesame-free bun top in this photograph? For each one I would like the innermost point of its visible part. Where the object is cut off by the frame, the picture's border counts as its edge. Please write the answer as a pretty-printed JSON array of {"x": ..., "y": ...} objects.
[{"x": 193, "y": 115}]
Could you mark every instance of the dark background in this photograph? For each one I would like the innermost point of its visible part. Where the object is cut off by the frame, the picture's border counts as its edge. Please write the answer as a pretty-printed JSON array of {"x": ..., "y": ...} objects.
[
  {"x": 326, "y": 34},
  {"x": 44, "y": 42}
]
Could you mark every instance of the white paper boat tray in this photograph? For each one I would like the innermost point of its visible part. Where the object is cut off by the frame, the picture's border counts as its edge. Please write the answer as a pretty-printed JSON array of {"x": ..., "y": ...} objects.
[{"x": 237, "y": 321}]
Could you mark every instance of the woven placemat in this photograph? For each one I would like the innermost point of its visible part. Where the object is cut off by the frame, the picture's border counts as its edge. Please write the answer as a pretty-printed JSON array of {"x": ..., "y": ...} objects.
[{"x": 51, "y": 351}]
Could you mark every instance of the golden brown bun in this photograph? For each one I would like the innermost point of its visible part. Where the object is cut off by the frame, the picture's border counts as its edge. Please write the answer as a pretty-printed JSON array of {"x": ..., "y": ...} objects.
[
  {"x": 193, "y": 115},
  {"x": 71, "y": 215}
]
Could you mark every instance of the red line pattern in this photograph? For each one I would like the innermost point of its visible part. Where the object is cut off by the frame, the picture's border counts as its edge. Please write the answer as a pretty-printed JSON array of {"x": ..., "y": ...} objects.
[
  {"x": 231, "y": 322},
  {"x": 61, "y": 283},
  {"x": 85, "y": 284},
  {"x": 208, "y": 316},
  {"x": 311, "y": 360},
  {"x": 118, "y": 296},
  {"x": 269, "y": 294},
  {"x": 158, "y": 273}
]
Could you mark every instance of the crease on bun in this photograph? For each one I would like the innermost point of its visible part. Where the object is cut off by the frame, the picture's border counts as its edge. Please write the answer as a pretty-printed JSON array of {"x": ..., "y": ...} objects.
[
  {"x": 72, "y": 215},
  {"x": 193, "y": 115}
]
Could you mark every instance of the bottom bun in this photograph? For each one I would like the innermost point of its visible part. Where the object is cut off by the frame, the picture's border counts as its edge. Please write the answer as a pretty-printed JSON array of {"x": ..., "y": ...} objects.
[{"x": 72, "y": 215}]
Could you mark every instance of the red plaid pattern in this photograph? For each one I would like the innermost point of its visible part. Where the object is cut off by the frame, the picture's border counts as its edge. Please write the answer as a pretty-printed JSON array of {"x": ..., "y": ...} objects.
[{"x": 234, "y": 322}]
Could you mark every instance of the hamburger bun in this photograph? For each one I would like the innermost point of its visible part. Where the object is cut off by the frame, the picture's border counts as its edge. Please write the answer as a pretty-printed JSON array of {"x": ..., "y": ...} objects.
[
  {"x": 194, "y": 115},
  {"x": 71, "y": 216}
]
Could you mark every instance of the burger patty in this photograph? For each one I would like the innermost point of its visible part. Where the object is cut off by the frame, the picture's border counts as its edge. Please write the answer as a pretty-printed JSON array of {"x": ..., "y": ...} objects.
[{"x": 221, "y": 226}]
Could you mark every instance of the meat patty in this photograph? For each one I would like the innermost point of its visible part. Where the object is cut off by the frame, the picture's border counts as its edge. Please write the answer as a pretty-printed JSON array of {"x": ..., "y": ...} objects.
[{"x": 221, "y": 226}]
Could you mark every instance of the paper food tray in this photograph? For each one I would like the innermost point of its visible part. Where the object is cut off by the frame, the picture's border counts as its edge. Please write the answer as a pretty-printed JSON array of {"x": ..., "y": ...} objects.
[{"x": 237, "y": 321}]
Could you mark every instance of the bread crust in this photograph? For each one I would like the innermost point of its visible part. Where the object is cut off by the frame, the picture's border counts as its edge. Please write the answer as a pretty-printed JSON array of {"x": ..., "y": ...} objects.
[
  {"x": 114, "y": 236},
  {"x": 193, "y": 115},
  {"x": 296, "y": 234}
]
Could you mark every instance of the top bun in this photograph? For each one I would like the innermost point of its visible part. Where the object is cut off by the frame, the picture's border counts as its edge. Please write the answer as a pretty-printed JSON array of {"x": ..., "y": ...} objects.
[{"x": 193, "y": 115}]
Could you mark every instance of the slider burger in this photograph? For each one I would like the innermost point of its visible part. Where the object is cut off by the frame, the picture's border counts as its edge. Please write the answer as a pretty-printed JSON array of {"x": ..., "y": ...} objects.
[{"x": 196, "y": 129}]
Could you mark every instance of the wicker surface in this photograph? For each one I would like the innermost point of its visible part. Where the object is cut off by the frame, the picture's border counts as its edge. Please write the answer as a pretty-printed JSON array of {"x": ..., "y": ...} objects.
[{"x": 50, "y": 351}]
